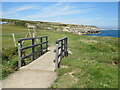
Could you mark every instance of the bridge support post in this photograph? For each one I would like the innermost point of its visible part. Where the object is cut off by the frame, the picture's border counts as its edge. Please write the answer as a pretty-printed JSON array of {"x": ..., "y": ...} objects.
[
  {"x": 46, "y": 44},
  {"x": 19, "y": 54},
  {"x": 41, "y": 46},
  {"x": 33, "y": 41},
  {"x": 61, "y": 56},
  {"x": 66, "y": 46},
  {"x": 56, "y": 56}
]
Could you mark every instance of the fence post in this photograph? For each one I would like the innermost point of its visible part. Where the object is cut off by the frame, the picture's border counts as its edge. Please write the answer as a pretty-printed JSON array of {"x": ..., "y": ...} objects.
[
  {"x": 56, "y": 56},
  {"x": 19, "y": 55},
  {"x": 33, "y": 35},
  {"x": 29, "y": 32},
  {"x": 14, "y": 39},
  {"x": 33, "y": 49}
]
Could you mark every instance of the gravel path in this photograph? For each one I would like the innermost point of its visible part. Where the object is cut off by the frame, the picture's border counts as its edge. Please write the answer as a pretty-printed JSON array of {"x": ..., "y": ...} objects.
[{"x": 38, "y": 74}]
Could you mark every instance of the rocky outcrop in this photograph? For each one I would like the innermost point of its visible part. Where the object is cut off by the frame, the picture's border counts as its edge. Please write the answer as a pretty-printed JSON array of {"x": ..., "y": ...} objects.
[{"x": 80, "y": 29}]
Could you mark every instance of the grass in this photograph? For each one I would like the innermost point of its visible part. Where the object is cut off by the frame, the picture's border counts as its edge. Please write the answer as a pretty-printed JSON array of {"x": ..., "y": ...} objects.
[{"x": 91, "y": 64}]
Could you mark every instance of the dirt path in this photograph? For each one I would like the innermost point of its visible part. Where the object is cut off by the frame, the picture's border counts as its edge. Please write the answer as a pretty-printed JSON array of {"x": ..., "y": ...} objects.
[{"x": 38, "y": 74}]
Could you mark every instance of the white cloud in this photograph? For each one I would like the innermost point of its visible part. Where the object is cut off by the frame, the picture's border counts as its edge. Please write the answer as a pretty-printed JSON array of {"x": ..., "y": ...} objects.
[
  {"x": 0, "y": 14},
  {"x": 60, "y": 3},
  {"x": 63, "y": 9},
  {"x": 57, "y": 11},
  {"x": 18, "y": 9},
  {"x": 98, "y": 21}
]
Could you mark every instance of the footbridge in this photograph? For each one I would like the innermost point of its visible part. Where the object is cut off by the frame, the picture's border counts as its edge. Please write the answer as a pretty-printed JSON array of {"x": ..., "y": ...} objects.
[{"x": 37, "y": 69}]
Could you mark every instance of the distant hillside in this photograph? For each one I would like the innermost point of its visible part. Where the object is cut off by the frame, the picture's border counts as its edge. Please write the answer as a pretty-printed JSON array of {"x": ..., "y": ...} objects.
[{"x": 77, "y": 29}]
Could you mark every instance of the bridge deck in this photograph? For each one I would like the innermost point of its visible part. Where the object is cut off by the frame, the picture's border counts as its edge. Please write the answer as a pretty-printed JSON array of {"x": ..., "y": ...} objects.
[{"x": 38, "y": 74}]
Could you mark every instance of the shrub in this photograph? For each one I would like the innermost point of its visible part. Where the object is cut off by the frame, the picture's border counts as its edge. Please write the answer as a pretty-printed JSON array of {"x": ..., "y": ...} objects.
[{"x": 9, "y": 61}]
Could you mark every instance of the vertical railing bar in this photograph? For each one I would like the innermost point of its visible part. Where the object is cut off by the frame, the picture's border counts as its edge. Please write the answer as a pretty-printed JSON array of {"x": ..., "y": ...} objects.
[
  {"x": 56, "y": 57},
  {"x": 19, "y": 54},
  {"x": 66, "y": 46},
  {"x": 46, "y": 44},
  {"x": 41, "y": 46},
  {"x": 61, "y": 48},
  {"x": 33, "y": 49}
]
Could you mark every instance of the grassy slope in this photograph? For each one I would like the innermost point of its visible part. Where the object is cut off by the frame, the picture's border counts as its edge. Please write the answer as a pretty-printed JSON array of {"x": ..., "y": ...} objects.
[{"x": 89, "y": 65}]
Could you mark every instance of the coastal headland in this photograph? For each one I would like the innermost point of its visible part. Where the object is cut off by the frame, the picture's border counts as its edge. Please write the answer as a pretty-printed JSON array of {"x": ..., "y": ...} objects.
[{"x": 72, "y": 28}]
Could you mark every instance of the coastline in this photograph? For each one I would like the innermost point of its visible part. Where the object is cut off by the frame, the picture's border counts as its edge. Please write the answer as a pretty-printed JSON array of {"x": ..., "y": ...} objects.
[
  {"x": 105, "y": 33},
  {"x": 105, "y": 36},
  {"x": 103, "y": 29}
]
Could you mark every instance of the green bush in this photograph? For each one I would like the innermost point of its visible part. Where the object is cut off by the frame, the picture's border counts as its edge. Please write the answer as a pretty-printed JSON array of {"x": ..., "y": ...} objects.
[
  {"x": 9, "y": 61},
  {"x": 8, "y": 53}
]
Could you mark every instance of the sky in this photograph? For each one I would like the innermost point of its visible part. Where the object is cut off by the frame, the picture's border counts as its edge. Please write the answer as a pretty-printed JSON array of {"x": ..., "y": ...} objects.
[{"x": 100, "y": 14}]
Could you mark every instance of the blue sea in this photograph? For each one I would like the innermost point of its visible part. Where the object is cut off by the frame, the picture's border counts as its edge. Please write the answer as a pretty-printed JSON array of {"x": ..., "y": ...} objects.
[{"x": 107, "y": 33}]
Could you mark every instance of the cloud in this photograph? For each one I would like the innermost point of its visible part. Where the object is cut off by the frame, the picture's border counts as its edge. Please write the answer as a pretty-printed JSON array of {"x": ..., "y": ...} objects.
[
  {"x": 0, "y": 14},
  {"x": 53, "y": 10},
  {"x": 60, "y": 9},
  {"x": 14, "y": 10},
  {"x": 98, "y": 21},
  {"x": 59, "y": 3},
  {"x": 60, "y": 12}
]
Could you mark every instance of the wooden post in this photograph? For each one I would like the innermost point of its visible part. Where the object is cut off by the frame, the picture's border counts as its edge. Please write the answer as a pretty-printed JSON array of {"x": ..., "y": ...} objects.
[
  {"x": 33, "y": 35},
  {"x": 41, "y": 46},
  {"x": 29, "y": 32},
  {"x": 34, "y": 30},
  {"x": 14, "y": 39},
  {"x": 61, "y": 49},
  {"x": 46, "y": 44},
  {"x": 66, "y": 46},
  {"x": 56, "y": 56},
  {"x": 25, "y": 37},
  {"x": 19, "y": 54},
  {"x": 33, "y": 49}
]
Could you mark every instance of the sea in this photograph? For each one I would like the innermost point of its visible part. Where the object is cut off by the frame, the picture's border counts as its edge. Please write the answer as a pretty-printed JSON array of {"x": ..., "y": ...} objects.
[{"x": 107, "y": 33}]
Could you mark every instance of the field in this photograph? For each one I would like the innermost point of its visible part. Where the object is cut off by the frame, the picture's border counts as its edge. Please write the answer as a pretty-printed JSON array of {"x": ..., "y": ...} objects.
[{"x": 92, "y": 63}]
